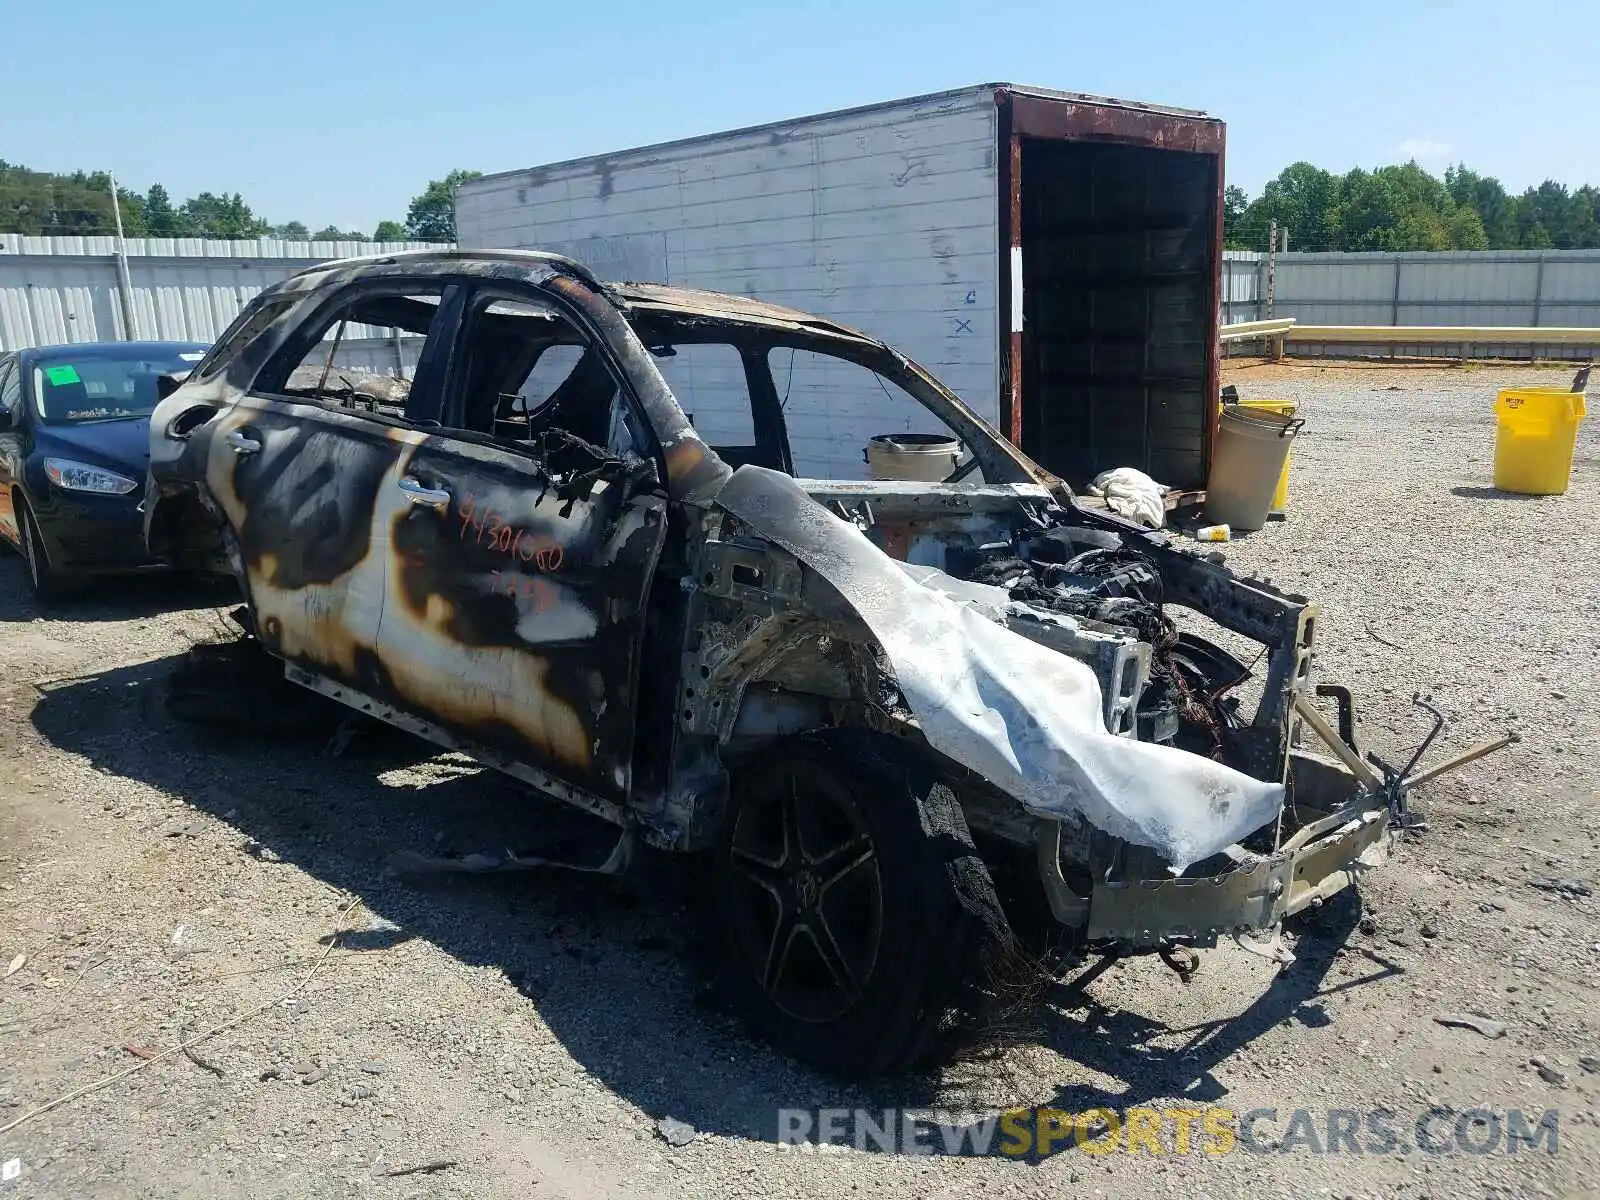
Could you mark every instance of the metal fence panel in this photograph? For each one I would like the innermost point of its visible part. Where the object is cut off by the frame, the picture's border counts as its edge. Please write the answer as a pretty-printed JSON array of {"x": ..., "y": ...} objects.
[
  {"x": 1458, "y": 287},
  {"x": 1572, "y": 280},
  {"x": 60, "y": 290},
  {"x": 65, "y": 289}
]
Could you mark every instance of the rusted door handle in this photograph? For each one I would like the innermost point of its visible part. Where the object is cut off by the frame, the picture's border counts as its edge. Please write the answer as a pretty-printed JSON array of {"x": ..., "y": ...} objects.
[{"x": 425, "y": 496}]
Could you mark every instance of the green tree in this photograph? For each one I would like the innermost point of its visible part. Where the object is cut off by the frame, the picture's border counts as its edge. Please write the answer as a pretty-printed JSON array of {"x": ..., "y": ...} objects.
[
  {"x": 40, "y": 202},
  {"x": 432, "y": 215},
  {"x": 132, "y": 205},
  {"x": 1302, "y": 198},
  {"x": 1234, "y": 205},
  {"x": 1560, "y": 214},
  {"x": 1586, "y": 217},
  {"x": 223, "y": 216},
  {"x": 1465, "y": 229},
  {"x": 389, "y": 231},
  {"x": 1531, "y": 234},
  {"x": 160, "y": 218},
  {"x": 1496, "y": 210},
  {"x": 24, "y": 199},
  {"x": 82, "y": 204},
  {"x": 44, "y": 202},
  {"x": 1396, "y": 208}
]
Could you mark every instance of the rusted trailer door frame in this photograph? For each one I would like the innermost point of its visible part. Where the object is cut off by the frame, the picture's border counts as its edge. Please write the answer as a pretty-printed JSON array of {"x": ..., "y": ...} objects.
[{"x": 1067, "y": 119}]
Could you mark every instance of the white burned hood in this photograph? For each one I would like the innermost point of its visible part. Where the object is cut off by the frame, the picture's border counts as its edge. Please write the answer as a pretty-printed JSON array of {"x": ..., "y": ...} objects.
[{"x": 1018, "y": 713}]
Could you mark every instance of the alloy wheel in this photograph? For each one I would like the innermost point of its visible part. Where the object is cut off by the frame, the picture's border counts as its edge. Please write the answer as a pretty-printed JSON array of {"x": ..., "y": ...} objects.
[{"x": 811, "y": 917}]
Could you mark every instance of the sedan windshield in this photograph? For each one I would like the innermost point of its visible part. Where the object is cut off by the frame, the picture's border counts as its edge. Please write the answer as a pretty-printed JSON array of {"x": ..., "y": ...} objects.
[{"x": 106, "y": 387}]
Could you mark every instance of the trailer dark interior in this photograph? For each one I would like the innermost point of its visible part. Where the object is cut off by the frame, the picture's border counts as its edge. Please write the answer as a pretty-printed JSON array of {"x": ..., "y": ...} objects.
[{"x": 1118, "y": 299}]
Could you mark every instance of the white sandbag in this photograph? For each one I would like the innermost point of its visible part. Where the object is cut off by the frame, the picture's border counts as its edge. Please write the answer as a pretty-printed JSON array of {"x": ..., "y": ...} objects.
[{"x": 1131, "y": 493}]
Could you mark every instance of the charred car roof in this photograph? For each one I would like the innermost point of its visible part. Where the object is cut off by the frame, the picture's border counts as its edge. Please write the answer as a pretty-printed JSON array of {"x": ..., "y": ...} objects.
[
  {"x": 675, "y": 312},
  {"x": 690, "y": 303},
  {"x": 538, "y": 267}
]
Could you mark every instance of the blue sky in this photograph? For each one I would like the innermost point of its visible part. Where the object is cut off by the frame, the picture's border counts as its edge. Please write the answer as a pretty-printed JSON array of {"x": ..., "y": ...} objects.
[{"x": 339, "y": 113}]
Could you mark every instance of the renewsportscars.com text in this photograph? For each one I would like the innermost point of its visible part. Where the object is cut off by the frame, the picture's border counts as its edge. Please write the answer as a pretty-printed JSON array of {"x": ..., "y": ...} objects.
[{"x": 1178, "y": 1130}]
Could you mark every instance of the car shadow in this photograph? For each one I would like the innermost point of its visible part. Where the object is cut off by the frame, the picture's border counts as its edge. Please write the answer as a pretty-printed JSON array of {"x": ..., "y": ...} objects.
[
  {"x": 1490, "y": 493},
  {"x": 110, "y": 597},
  {"x": 620, "y": 969}
]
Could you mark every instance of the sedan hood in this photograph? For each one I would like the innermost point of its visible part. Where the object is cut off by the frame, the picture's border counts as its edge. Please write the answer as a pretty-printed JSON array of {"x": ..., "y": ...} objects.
[{"x": 122, "y": 446}]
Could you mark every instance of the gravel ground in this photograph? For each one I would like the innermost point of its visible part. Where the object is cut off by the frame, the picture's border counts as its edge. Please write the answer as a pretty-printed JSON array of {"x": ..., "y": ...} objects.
[{"x": 524, "y": 1036}]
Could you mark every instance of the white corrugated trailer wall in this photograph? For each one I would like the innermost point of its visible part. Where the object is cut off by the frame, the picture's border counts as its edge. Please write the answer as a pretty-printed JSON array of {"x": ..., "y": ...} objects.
[{"x": 886, "y": 218}]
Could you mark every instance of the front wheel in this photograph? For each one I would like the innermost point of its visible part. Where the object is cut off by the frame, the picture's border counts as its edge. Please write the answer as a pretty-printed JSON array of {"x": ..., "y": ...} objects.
[
  {"x": 44, "y": 581},
  {"x": 856, "y": 913}
]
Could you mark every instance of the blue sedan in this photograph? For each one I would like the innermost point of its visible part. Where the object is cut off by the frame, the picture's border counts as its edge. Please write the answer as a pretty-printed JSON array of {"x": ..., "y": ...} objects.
[{"x": 74, "y": 447}]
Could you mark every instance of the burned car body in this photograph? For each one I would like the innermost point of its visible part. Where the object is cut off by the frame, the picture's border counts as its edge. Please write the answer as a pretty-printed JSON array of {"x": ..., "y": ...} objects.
[{"x": 869, "y": 700}]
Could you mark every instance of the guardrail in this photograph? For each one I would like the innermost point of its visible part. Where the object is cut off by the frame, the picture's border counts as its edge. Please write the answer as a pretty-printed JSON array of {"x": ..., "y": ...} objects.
[
  {"x": 1461, "y": 335},
  {"x": 1273, "y": 332},
  {"x": 1244, "y": 331},
  {"x": 1287, "y": 329}
]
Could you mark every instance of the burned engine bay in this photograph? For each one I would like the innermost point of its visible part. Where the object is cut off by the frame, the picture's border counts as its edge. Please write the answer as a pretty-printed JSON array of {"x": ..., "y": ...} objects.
[
  {"x": 1171, "y": 688},
  {"x": 1033, "y": 643}
]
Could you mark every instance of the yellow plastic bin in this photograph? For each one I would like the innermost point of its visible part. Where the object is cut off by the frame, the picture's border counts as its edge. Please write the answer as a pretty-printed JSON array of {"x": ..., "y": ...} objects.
[
  {"x": 1536, "y": 430},
  {"x": 1286, "y": 408}
]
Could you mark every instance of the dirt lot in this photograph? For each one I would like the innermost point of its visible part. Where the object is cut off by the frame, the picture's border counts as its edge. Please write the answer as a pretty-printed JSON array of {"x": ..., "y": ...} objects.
[{"x": 523, "y": 1036}]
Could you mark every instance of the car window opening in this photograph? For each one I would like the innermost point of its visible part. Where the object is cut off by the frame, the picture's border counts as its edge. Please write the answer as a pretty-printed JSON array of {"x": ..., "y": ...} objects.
[
  {"x": 533, "y": 381},
  {"x": 365, "y": 357}
]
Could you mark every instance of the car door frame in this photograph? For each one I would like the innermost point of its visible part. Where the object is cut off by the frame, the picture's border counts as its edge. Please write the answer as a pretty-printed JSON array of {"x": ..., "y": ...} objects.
[
  {"x": 515, "y": 643},
  {"x": 301, "y": 485},
  {"x": 769, "y": 430}
]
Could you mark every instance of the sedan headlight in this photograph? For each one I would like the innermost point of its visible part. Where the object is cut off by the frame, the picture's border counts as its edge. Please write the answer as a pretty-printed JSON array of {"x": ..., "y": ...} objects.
[{"x": 81, "y": 477}]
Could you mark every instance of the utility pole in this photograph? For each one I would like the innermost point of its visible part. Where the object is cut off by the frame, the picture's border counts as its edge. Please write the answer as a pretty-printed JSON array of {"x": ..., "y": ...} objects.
[
  {"x": 1272, "y": 265},
  {"x": 130, "y": 332}
]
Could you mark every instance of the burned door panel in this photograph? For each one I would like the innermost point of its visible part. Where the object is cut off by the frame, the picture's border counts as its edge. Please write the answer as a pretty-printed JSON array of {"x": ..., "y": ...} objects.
[
  {"x": 515, "y": 602},
  {"x": 307, "y": 495}
]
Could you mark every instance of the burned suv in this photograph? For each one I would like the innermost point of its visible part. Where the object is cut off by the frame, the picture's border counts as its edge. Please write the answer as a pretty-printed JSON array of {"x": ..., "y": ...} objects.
[{"x": 460, "y": 495}]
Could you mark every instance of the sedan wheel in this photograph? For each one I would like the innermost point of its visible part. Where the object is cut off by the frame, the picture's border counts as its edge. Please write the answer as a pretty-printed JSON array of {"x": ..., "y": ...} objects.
[
  {"x": 857, "y": 919},
  {"x": 813, "y": 913},
  {"x": 46, "y": 584}
]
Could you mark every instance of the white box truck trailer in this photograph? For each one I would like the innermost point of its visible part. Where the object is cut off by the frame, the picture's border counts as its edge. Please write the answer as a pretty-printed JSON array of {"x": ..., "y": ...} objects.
[{"x": 1054, "y": 258}]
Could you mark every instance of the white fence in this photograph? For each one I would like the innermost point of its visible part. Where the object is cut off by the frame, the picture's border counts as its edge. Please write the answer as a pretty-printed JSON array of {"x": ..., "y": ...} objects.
[
  {"x": 55, "y": 291},
  {"x": 62, "y": 290},
  {"x": 1458, "y": 287}
]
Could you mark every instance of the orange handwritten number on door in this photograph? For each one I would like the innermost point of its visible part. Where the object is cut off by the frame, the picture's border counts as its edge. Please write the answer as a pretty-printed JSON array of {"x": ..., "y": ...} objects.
[{"x": 514, "y": 541}]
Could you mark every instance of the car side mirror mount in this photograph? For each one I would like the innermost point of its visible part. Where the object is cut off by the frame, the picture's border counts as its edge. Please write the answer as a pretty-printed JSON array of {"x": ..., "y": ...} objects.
[{"x": 169, "y": 383}]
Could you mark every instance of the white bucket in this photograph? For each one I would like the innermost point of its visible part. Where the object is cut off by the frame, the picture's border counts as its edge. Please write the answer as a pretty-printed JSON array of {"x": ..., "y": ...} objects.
[
  {"x": 1246, "y": 462},
  {"x": 917, "y": 457}
]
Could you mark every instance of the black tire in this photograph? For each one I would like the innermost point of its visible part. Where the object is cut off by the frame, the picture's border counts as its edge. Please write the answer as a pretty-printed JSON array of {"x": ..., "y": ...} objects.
[
  {"x": 857, "y": 917},
  {"x": 45, "y": 582}
]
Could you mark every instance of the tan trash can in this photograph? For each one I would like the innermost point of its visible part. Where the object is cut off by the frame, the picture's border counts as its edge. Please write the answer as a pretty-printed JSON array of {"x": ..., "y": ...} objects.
[
  {"x": 1246, "y": 463},
  {"x": 912, "y": 457}
]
